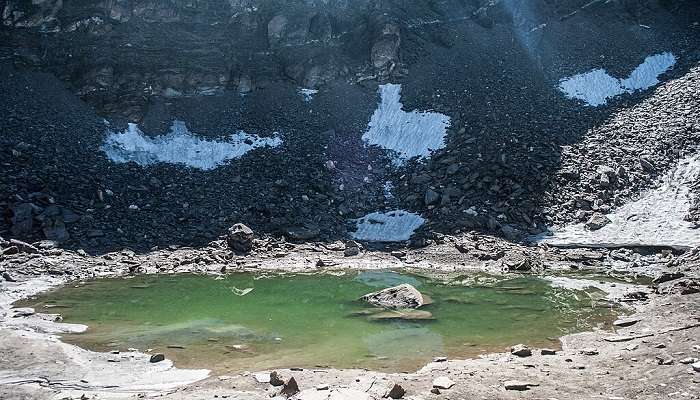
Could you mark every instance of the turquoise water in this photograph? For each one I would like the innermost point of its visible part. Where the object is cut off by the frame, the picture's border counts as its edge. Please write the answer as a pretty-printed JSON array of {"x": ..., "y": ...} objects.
[{"x": 247, "y": 322}]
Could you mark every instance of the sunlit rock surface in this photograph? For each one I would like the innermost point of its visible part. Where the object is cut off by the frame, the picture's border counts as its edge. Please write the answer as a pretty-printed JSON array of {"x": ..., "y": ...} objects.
[
  {"x": 596, "y": 87},
  {"x": 180, "y": 146},
  {"x": 656, "y": 219},
  {"x": 408, "y": 134},
  {"x": 390, "y": 226}
]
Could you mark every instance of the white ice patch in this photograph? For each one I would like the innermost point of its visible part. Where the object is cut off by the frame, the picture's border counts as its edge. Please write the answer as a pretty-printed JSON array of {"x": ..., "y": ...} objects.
[
  {"x": 390, "y": 226},
  {"x": 307, "y": 94},
  {"x": 656, "y": 219},
  {"x": 613, "y": 290},
  {"x": 409, "y": 134},
  {"x": 597, "y": 86},
  {"x": 180, "y": 146}
]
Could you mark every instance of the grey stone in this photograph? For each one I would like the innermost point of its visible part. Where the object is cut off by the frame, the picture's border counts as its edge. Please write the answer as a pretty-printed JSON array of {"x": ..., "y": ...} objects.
[
  {"x": 518, "y": 385},
  {"x": 240, "y": 238},
  {"x": 520, "y": 350},
  {"x": 625, "y": 322},
  {"x": 157, "y": 358},
  {"x": 401, "y": 296},
  {"x": 302, "y": 232},
  {"x": 22, "y": 219},
  {"x": 597, "y": 221},
  {"x": 396, "y": 392},
  {"x": 290, "y": 388},
  {"x": 431, "y": 197}
]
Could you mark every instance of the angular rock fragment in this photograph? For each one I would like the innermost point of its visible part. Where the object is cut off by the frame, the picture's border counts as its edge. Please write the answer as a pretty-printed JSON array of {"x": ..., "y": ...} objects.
[
  {"x": 597, "y": 221},
  {"x": 396, "y": 392}
]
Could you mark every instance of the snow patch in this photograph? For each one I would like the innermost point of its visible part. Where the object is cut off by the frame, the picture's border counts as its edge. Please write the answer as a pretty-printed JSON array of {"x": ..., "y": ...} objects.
[
  {"x": 613, "y": 290},
  {"x": 597, "y": 86},
  {"x": 180, "y": 146},
  {"x": 390, "y": 226},
  {"x": 656, "y": 219},
  {"x": 408, "y": 134},
  {"x": 307, "y": 94}
]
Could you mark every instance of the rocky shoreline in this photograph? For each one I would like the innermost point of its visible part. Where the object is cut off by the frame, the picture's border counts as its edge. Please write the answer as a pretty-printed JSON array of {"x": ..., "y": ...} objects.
[{"x": 653, "y": 345}]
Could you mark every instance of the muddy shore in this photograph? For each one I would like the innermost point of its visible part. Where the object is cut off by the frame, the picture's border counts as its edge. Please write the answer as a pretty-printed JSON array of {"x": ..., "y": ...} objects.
[{"x": 648, "y": 360}]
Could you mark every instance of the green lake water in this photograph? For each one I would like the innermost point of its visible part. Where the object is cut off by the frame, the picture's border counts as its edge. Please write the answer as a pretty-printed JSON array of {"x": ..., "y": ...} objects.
[{"x": 248, "y": 322}]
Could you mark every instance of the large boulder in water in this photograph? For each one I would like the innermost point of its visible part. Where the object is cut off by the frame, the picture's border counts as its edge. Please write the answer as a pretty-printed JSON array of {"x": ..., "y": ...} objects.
[{"x": 402, "y": 296}]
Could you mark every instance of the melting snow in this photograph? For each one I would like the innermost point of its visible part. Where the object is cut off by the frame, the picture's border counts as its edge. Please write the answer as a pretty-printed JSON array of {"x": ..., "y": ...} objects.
[
  {"x": 656, "y": 219},
  {"x": 390, "y": 226},
  {"x": 409, "y": 134},
  {"x": 612, "y": 289},
  {"x": 597, "y": 86},
  {"x": 180, "y": 146}
]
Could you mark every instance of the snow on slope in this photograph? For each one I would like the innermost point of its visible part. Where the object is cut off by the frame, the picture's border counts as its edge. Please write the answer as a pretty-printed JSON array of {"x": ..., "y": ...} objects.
[
  {"x": 390, "y": 226},
  {"x": 656, "y": 219},
  {"x": 409, "y": 134},
  {"x": 180, "y": 146},
  {"x": 596, "y": 87}
]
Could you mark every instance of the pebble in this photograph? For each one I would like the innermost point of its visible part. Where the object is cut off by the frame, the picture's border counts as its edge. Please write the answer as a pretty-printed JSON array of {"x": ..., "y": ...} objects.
[
  {"x": 696, "y": 366},
  {"x": 520, "y": 350},
  {"x": 589, "y": 351},
  {"x": 518, "y": 385},
  {"x": 157, "y": 358},
  {"x": 621, "y": 323}
]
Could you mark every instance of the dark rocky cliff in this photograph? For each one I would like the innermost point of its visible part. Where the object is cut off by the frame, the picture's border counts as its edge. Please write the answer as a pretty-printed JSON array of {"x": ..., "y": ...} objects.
[{"x": 491, "y": 66}]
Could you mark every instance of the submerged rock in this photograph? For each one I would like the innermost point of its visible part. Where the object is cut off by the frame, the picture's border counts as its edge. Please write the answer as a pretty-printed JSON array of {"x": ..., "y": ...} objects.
[
  {"x": 401, "y": 296},
  {"x": 408, "y": 314}
]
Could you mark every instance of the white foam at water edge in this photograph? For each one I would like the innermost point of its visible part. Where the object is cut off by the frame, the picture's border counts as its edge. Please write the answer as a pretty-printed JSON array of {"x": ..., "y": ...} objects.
[
  {"x": 389, "y": 226},
  {"x": 180, "y": 146},
  {"x": 408, "y": 134},
  {"x": 656, "y": 219},
  {"x": 596, "y": 87}
]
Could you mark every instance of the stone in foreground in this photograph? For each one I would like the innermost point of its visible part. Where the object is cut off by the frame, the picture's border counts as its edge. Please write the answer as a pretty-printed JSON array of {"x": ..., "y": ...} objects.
[
  {"x": 402, "y": 296},
  {"x": 396, "y": 392}
]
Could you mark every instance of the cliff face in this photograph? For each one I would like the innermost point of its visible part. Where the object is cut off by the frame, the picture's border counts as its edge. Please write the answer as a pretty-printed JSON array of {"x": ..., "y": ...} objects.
[
  {"x": 117, "y": 53},
  {"x": 481, "y": 78}
]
